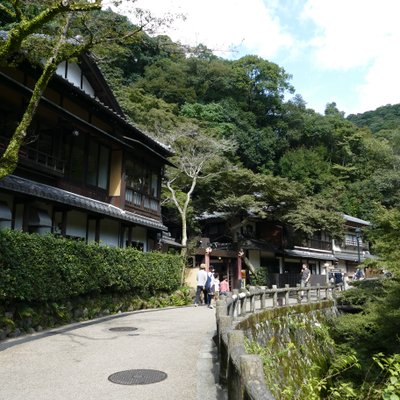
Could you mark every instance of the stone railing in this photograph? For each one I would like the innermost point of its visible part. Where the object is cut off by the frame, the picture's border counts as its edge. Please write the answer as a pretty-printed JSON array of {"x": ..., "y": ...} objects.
[{"x": 243, "y": 373}]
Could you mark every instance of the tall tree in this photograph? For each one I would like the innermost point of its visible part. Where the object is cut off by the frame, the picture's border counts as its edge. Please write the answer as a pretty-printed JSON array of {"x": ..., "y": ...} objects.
[{"x": 197, "y": 156}]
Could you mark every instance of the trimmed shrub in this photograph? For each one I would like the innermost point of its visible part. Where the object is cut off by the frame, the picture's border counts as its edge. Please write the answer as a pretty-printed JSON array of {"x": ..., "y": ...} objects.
[{"x": 37, "y": 268}]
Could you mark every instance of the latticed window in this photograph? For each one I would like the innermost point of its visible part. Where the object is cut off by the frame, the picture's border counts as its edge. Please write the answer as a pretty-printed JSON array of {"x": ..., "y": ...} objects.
[{"x": 142, "y": 186}]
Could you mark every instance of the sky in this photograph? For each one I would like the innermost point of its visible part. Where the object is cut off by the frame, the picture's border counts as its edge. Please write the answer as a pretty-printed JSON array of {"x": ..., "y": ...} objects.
[{"x": 342, "y": 51}]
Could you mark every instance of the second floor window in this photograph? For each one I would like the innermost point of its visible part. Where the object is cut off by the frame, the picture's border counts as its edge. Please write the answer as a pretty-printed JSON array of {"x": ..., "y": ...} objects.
[
  {"x": 89, "y": 160},
  {"x": 98, "y": 162},
  {"x": 351, "y": 240},
  {"x": 142, "y": 186}
]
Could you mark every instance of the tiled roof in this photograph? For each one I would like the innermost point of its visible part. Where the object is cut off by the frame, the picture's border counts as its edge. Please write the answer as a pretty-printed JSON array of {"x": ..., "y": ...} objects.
[
  {"x": 46, "y": 192},
  {"x": 310, "y": 254},
  {"x": 349, "y": 218}
]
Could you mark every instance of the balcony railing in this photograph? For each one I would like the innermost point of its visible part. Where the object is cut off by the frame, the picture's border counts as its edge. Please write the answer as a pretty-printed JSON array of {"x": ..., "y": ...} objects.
[
  {"x": 315, "y": 244},
  {"x": 353, "y": 246},
  {"x": 141, "y": 200},
  {"x": 35, "y": 158},
  {"x": 46, "y": 161}
]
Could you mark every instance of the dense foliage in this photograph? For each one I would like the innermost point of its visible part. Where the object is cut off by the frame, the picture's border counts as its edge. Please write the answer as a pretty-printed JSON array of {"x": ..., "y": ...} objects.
[
  {"x": 327, "y": 160},
  {"x": 373, "y": 333},
  {"x": 284, "y": 162},
  {"x": 46, "y": 268},
  {"x": 383, "y": 118}
]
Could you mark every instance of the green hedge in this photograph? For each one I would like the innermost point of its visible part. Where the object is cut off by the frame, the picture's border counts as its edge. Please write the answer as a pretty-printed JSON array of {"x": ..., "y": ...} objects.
[{"x": 46, "y": 268}]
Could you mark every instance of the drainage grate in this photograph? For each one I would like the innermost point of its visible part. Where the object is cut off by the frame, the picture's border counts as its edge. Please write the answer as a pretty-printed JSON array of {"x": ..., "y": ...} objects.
[
  {"x": 137, "y": 377},
  {"x": 123, "y": 329}
]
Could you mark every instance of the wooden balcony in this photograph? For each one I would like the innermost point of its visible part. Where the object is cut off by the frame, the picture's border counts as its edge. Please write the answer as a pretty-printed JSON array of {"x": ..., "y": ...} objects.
[
  {"x": 316, "y": 244},
  {"x": 42, "y": 161},
  {"x": 36, "y": 159}
]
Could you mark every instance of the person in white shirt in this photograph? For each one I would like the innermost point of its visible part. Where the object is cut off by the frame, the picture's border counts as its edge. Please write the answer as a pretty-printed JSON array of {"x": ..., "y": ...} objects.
[
  {"x": 210, "y": 286},
  {"x": 201, "y": 283}
]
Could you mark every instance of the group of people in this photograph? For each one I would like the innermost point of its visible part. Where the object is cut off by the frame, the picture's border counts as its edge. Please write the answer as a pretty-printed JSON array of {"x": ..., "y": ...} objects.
[{"x": 210, "y": 286}]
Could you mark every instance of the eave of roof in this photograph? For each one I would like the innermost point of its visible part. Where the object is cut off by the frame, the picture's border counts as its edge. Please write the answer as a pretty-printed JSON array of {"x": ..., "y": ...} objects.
[
  {"x": 257, "y": 244},
  {"x": 354, "y": 257},
  {"x": 171, "y": 242},
  {"x": 310, "y": 254},
  {"x": 42, "y": 191},
  {"x": 349, "y": 218}
]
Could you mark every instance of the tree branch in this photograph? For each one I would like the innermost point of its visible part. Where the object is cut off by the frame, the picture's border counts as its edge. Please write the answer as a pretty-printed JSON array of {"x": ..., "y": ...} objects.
[
  {"x": 26, "y": 27},
  {"x": 9, "y": 160}
]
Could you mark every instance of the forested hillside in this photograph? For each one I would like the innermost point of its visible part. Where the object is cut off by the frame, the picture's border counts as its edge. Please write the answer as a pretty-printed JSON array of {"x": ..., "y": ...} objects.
[
  {"x": 383, "y": 118},
  {"x": 306, "y": 163}
]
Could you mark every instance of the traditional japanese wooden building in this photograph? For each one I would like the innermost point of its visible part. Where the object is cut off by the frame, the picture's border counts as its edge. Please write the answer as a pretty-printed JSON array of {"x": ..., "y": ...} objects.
[{"x": 84, "y": 171}]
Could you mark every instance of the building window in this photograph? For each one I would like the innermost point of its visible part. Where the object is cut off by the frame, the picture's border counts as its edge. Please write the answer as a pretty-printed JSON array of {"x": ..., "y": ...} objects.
[
  {"x": 98, "y": 165},
  {"x": 351, "y": 240},
  {"x": 77, "y": 158},
  {"x": 142, "y": 186},
  {"x": 136, "y": 245},
  {"x": 89, "y": 160}
]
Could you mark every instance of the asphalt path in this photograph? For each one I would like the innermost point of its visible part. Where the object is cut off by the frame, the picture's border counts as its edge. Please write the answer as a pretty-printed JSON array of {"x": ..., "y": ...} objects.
[{"x": 173, "y": 347}]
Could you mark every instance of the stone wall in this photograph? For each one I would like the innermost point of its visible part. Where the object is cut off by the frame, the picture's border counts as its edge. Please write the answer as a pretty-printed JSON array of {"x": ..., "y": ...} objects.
[{"x": 297, "y": 324}]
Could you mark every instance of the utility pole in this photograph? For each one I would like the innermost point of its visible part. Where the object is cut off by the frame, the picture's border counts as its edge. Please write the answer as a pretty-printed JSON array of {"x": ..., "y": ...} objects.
[{"x": 358, "y": 236}]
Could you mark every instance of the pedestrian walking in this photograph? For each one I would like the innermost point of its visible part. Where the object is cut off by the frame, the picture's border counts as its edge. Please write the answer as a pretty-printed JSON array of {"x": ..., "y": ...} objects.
[
  {"x": 201, "y": 278},
  {"x": 210, "y": 286},
  {"x": 224, "y": 286},
  {"x": 305, "y": 277}
]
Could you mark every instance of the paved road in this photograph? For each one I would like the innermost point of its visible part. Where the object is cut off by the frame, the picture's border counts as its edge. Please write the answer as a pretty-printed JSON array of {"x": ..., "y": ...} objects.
[{"x": 75, "y": 361}]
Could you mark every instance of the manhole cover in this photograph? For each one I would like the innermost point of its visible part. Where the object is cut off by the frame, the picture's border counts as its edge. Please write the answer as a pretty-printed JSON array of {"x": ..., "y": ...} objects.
[
  {"x": 137, "y": 377},
  {"x": 123, "y": 329}
]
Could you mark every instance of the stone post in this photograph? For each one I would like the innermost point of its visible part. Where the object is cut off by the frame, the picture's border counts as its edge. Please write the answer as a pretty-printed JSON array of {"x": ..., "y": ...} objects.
[
  {"x": 243, "y": 302},
  {"x": 287, "y": 294},
  {"x": 221, "y": 308},
  {"x": 252, "y": 291},
  {"x": 252, "y": 372},
  {"x": 236, "y": 303},
  {"x": 275, "y": 296},
  {"x": 223, "y": 327},
  {"x": 262, "y": 297},
  {"x": 298, "y": 294},
  {"x": 319, "y": 297},
  {"x": 235, "y": 350}
]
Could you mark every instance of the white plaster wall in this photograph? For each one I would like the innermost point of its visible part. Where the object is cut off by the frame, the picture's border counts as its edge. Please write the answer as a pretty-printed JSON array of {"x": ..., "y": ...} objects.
[
  {"x": 91, "y": 234},
  {"x": 8, "y": 199},
  {"x": 76, "y": 224},
  {"x": 61, "y": 69},
  {"x": 45, "y": 207},
  {"x": 109, "y": 232},
  {"x": 19, "y": 215},
  {"x": 74, "y": 75},
  {"x": 86, "y": 87}
]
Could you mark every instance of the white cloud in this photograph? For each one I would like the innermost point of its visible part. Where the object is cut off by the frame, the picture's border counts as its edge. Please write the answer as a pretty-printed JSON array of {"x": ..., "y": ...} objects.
[
  {"x": 223, "y": 24},
  {"x": 359, "y": 34},
  {"x": 352, "y": 33},
  {"x": 381, "y": 85},
  {"x": 335, "y": 38}
]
